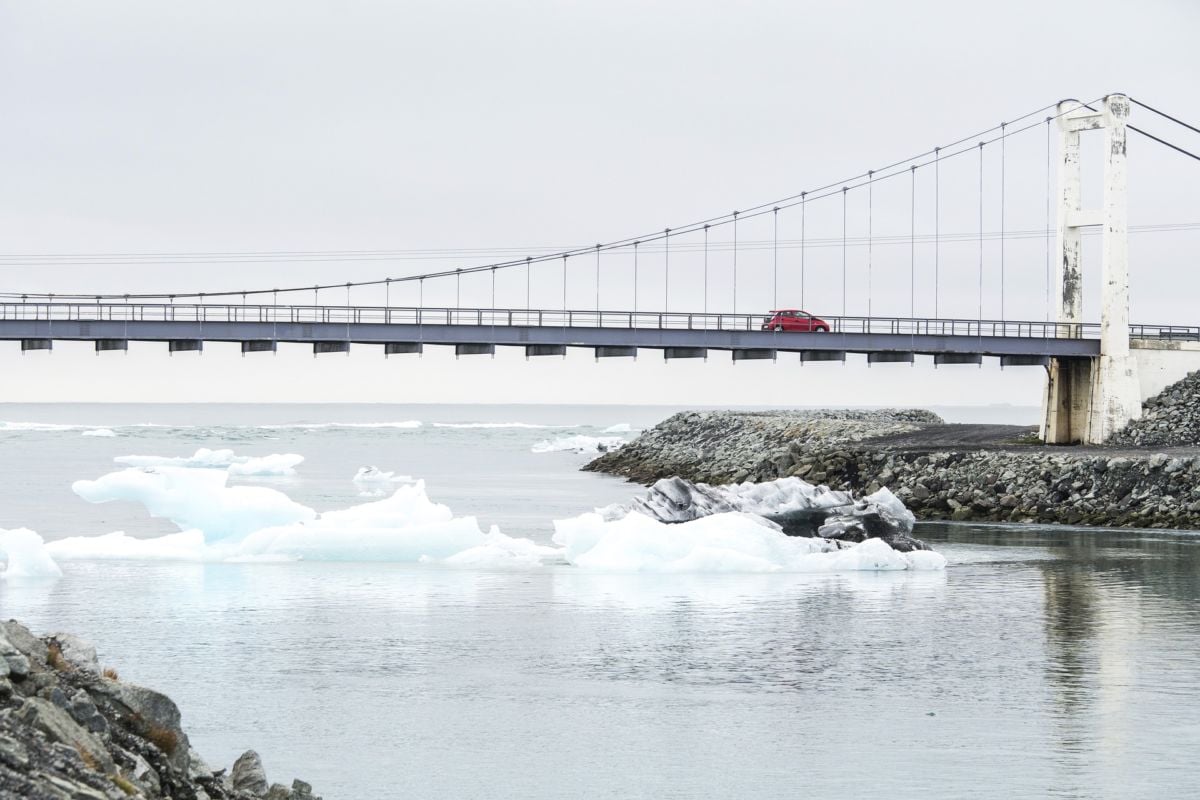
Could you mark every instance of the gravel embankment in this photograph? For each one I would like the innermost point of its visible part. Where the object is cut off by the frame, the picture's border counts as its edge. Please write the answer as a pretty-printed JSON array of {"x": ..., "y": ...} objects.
[{"x": 940, "y": 471}]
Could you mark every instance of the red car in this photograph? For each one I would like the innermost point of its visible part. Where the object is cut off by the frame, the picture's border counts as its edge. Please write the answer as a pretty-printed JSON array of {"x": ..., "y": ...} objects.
[{"x": 792, "y": 319}]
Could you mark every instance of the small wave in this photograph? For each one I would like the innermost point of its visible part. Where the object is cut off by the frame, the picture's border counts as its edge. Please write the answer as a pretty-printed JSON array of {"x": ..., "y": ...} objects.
[
  {"x": 19, "y": 427},
  {"x": 524, "y": 425},
  {"x": 106, "y": 433},
  {"x": 316, "y": 426}
]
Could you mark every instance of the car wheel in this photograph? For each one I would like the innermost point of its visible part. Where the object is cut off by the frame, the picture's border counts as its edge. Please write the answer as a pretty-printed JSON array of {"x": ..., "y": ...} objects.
[
  {"x": 777, "y": 328},
  {"x": 821, "y": 329}
]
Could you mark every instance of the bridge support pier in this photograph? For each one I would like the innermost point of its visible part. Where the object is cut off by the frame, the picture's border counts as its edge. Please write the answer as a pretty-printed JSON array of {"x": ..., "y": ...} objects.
[{"x": 1088, "y": 401}]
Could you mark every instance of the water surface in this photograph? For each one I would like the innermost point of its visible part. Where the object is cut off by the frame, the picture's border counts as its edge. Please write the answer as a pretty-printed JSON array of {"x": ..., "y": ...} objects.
[{"x": 1042, "y": 662}]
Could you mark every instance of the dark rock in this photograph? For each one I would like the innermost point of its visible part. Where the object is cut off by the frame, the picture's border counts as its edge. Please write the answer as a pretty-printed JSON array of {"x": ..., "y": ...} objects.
[{"x": 248, "y": 774}]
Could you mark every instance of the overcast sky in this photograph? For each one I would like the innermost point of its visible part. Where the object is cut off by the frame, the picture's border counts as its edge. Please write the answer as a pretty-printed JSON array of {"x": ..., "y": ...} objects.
[{"x": 152, "y": 127}]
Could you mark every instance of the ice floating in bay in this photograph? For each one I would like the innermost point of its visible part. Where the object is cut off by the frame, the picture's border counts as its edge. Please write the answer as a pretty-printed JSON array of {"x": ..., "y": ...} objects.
[
  {"x": 374, "y": 482},
  {"x": 197, "y": 498},
  {"x": 277, "y": 464},
  {"x": 579, "y": 444},
  {"x": 724, "y": 542},
  {"x": 678, "y": 500},
  {"x": 24, "y": 555},
  {"x": 182, "y": 546},
  {"x": 240, "y": 523},
  {"x": 620, "y": 427},
  {"x": 101, "y": 432}
]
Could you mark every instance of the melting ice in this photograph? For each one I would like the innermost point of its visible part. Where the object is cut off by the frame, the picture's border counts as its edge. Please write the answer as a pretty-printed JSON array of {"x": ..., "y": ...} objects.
[{"x": 219, "y": 522}]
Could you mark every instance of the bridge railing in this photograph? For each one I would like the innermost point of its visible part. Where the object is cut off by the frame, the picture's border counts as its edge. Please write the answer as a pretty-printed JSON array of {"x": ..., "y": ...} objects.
[{"x": 654, "y": 320}]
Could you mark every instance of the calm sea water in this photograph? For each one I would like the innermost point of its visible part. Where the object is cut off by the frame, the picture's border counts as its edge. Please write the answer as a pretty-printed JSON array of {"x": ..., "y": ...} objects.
[{"x": 1042, "y": 662}]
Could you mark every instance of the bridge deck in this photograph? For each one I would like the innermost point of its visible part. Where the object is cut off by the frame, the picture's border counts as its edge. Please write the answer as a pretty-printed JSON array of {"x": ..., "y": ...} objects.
[{"x": 322, "y": 325}]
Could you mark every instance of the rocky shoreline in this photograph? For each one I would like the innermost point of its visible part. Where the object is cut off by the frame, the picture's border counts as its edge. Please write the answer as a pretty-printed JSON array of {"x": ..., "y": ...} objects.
[
  {"x": 940, "y": 471},
  {"x": 70, "y": 730}
]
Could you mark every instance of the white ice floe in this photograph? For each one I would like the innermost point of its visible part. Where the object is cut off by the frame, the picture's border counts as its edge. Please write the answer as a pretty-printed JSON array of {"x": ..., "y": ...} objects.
[
  {"x": 24, "y": 555},
  {"x": 678, "y": 500},
  {"x": 620, "y": 427},
  {"x": 240, "y": 523},
  {"x": 219, "y": 522},
  {"x": 197, "y": 498},
  {"x": 101, "y": 432},
  {"x": 725, "y": 542},
  {"x": 374, "y": 482},
  {"x": 579, "y": 444},
  {"x": 277, "y": 464},
  {"x": 183, "y": 546}
]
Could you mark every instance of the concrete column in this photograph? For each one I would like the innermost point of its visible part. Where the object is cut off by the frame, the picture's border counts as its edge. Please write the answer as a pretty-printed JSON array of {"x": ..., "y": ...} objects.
[
  {"x": 1086, "y": 400},
  {"x": 1119, "y": 396},
  {"x": 1068, "y": 382},
  {"x": 1069, "y": 277}
]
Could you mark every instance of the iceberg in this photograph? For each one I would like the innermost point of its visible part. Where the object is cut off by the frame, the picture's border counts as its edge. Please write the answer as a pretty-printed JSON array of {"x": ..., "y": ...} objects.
[
  {"x": 197, "y": 498},
  {"x": 729, "y": 541},
  {"x": 374, "y": 482},
  {"x": 676, "y": 528},
  {"x": 798, "y": 507},
  {"x": 25, "y": 555}
]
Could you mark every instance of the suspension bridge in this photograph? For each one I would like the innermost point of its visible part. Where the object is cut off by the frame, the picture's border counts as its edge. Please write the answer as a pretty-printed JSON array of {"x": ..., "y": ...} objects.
[{"x": 1097, "y": 373}]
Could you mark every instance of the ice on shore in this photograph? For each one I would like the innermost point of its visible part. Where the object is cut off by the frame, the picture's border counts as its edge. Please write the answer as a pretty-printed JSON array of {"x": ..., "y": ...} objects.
[
  {"x": 276, "y": 464},
  {"x": 25, "y": 556},
  {"x": 579, "y": 444}
]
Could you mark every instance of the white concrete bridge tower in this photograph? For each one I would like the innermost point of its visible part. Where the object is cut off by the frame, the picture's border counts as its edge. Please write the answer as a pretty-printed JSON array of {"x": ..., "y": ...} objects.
[{"x": 1088, "y": 399}]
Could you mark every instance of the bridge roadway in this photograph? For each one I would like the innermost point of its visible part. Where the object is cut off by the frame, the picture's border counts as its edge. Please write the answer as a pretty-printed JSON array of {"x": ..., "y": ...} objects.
[{"x": 258, "y": 328}]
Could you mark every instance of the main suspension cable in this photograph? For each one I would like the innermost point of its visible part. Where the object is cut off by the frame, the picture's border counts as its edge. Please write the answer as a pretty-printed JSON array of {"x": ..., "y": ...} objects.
[{"x": 804, "y": 197}]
